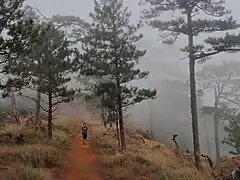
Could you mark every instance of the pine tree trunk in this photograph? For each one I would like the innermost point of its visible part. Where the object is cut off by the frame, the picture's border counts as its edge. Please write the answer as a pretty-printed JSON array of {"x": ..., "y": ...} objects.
[
  {"x": 50, "y": 98},
  {"x": 102, "y": 112},
  {"x": 216, "y": 133},
  {"x": 50, "y": 115},
  {"x": 117, "y": 130},
  {"x": 216, "y": 136},
  {"x": 14, "y": 108},
  {"x": 38, "y": 106},
  {"x": 207, "y": 137},
  {"x": 110, "y": 124},
  {"x": 195, "y": 130},
  {"x": 104, "y": 123},
  {"x": 120, "y": 116},
  {"x": 151, "y": 122},
  {"x": 151, "y": 130}
]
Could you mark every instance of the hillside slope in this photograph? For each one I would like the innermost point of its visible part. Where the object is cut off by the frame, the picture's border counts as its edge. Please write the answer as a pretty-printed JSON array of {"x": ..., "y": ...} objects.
[{"x": 144, "y": 159}]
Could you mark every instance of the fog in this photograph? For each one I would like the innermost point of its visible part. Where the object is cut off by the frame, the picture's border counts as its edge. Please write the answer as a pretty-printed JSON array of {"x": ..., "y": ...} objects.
[{"x": 169, "y": 113}]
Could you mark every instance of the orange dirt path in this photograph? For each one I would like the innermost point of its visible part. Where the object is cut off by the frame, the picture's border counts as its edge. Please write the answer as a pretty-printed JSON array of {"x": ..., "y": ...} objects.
[{"x": 82, "y": 163}]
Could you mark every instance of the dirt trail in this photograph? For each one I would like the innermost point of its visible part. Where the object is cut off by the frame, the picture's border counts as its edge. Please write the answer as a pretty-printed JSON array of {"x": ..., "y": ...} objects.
[{"x": 82, "y": 163}]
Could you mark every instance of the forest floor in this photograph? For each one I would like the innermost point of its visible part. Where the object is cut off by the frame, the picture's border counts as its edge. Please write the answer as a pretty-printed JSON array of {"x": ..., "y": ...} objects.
[
  {"x": 143, "y": 159},
  {"x": 37, "y": 157},
  {"x": 66, "y": 158}
]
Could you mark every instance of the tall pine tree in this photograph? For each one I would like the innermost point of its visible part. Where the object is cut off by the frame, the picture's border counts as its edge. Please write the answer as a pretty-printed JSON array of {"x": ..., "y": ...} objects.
[
  {"x": 73, "y": 25},
  {"x": 187, "y": 20},
  {"x": 233, "y": 130},
  {"x": 110, "y": 51},
  {"x": 45, "y": 69},
  {"x": 10, "y": 19},
  {"x": 220, "y": 79},
  {"x": 17, "y": 29}
]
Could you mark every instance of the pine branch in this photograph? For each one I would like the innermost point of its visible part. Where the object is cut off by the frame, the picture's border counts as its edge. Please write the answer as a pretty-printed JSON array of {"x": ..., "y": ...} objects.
[
  {"x": 56, "y": 107},
  {"x": 208, "y": 54},
  {"x": 58, "y": 102},
  {"x": 228, "y": 143},
  {"x": 230, "y": 100},
  {"x": 10, "y": 14},
  {"x": 28, "y": 97}
]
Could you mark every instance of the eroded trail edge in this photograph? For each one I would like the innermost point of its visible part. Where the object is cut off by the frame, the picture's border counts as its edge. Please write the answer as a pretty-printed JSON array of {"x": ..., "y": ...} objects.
[{"x": 82, "y": 162}]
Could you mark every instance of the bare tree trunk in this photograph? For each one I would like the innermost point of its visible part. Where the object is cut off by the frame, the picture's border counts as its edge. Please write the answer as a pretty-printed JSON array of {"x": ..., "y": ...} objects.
[
  {"x": 50, "y": 115},
  {"x": 110, "y": 124},
  {"x": 195, "y": 130},
  {"x": 50, "y": 103},
  {"x": 38, "y": 106},
  {"x": 207, "y": 138},
  {"x": 216, "y": 133},
  {"x": 117, "y": 130},
  {"x": 216, "y": 136},
  {"x": 151, "y": 122},
  {"x": 151, "y": 131},
  {"x": 14, "y": 108},
  {"x": 120, "y": 117},
  {"x": 103, "y": 113},
  {"x": 104, "y": 123}
]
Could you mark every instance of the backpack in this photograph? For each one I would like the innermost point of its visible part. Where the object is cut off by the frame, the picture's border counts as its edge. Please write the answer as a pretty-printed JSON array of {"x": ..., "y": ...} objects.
[{"x": 84, "y": 129}]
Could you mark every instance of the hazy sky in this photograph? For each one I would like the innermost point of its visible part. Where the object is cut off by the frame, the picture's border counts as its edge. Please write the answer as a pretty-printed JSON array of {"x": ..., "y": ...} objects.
[{"x": 156, "y": 51}]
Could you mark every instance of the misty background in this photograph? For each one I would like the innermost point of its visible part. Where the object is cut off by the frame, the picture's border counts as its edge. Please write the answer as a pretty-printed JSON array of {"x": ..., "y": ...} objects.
[{"x": 169, "y": 113}]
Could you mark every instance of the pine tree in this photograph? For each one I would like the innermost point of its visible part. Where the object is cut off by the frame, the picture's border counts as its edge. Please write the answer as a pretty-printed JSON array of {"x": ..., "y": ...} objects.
[
  {"x": 107, "y": 92},
  {"x": 48, "y": 65},
  {"x": 10, "y": 16},
  {"x": 220, "y": 79},
  {"x": 110, "y": 51},
  {"x": 76, "y": 24},
  {"x": 73, "y": 25},
  {"x": 30, "y": 13},
  {"x": 17, "y": 28},
  {"x": 21, "y": 32},
  {"x": 186, "y": 20},
  {"x": 233, "y": 130}
]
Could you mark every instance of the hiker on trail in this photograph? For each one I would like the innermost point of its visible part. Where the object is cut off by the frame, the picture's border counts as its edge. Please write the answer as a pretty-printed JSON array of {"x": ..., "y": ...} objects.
[
  {"x": 84, "y": 132},
  {"x": 236, "y": 173}
]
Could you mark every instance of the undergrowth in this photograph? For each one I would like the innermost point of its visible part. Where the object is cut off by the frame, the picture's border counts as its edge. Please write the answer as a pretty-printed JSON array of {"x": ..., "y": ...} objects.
[
  {"x": 143, "y": 159},
  {"x": 37, "y": 157}
]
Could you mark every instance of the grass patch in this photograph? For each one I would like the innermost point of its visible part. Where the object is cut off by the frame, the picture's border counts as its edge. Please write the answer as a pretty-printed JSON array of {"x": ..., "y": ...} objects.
[
  {"x": 27, "y": 173},
  {"x": 11, "y": 128},
  {"x": 65, "y": 125},
  {"x": 107, "y": 146},
  {"x": 60, "y": 140},
  {"x": 38, "y": 158},
  {"x": 144, "y": 160}
]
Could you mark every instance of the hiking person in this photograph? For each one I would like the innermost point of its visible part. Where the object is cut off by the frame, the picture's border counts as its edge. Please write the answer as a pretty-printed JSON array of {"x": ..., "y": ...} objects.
[{"x": 84, "y": 132}]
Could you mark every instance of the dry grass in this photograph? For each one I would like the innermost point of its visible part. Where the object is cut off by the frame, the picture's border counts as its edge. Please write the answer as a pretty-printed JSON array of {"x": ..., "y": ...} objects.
[
  {"x": 37, "y": 157},
  {"x": 66, "y": 125},
  {"x": 143, "y": 159},
  {"x": 21, "y": 172}
]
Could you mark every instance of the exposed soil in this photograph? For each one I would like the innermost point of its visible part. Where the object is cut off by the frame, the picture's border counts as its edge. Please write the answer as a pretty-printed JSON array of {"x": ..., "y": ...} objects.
[{"x": 82, "y": 162}]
